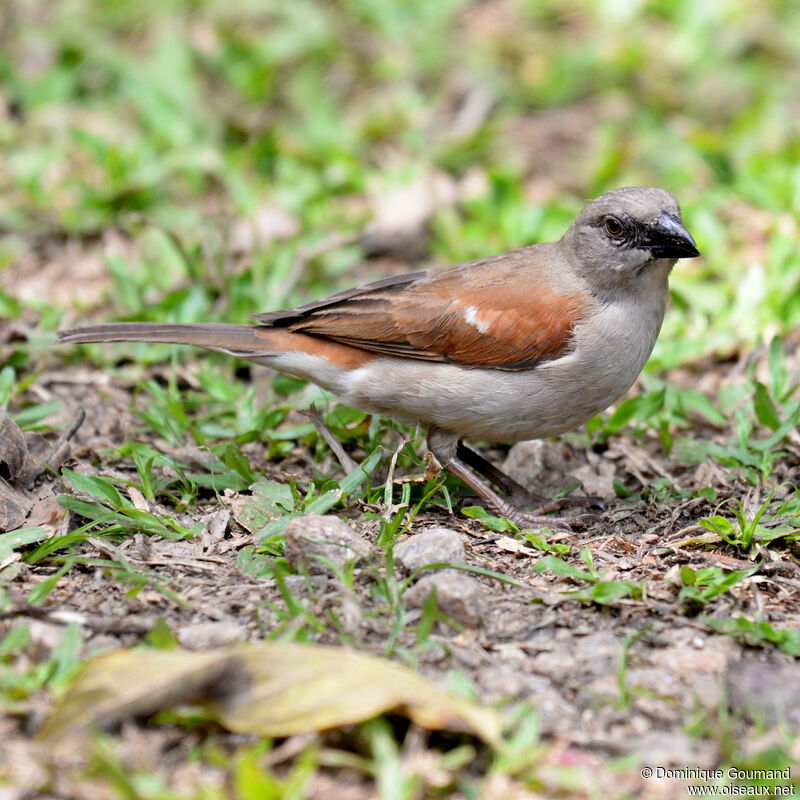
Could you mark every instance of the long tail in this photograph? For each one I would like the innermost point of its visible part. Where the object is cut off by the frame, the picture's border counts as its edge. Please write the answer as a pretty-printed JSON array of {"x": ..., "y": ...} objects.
[
  {"x": 294, "y": 353},
  {"x": 226, "y": 338}
]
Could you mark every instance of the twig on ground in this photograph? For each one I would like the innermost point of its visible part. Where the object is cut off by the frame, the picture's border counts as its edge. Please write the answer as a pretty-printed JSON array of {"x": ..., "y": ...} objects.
[
  {"x": 60, "y": 448},
  {"x": 314, "y": 414},
  {"x": 114, "y": 625}
]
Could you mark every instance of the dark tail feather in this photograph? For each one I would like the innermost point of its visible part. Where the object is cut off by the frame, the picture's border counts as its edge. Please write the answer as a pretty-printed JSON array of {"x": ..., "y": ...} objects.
[{"x": 212, "y": 336}]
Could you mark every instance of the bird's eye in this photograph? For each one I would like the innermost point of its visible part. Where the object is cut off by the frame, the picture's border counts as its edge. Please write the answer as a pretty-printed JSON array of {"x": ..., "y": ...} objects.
[{"x": 613, "y": 226}]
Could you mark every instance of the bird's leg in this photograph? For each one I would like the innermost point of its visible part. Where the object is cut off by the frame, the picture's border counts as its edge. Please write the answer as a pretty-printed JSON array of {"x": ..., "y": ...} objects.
[
  {"x": 498, "y": 505},
  {"x": 517, "y": 493},
  {"x": 445, "y": 447}
]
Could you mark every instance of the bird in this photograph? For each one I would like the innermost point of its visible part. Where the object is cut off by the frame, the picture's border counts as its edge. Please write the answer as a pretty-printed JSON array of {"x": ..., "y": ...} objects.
[{"x": 523, "y": 345}]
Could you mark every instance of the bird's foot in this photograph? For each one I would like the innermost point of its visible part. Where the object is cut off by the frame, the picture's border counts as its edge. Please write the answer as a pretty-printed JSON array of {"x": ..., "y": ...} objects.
[
  {"x": 547, "y": 506},
  {"x": 518, "y": 495},
  {"x": 538, "y": 519},
  {"x": 505, "y": 508}
]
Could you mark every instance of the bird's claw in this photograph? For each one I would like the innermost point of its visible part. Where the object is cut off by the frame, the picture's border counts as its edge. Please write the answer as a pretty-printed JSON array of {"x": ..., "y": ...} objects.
[
  {"x": 523, "y": 519},
  {"x": 545, "y": 506}
]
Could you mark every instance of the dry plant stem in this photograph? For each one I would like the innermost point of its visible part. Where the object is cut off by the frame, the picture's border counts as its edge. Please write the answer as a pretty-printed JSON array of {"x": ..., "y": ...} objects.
[
  {"x": 60, "y": 447},
  {"x": 391, "y": 508},
  {"x": 314, "y": 414},
  {"x": 99, "y": 624},
  {"x": 289, "y": 749}
]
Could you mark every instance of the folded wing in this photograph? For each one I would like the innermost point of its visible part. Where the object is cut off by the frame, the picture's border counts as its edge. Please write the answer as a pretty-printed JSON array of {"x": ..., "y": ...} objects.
[{"x": 493, "y": 313}]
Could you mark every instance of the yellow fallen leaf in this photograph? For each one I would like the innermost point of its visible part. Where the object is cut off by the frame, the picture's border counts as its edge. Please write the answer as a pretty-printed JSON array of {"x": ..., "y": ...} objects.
[{"x": 269, "y": 689}]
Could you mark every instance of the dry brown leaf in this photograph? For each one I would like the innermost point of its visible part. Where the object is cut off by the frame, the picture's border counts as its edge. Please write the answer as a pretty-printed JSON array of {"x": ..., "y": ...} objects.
[
  {"x": 14, "y": 507},
  {"x": 705, "y": 538},
  {"x": 21, "y": 506},
  {"x": 16, "y": 464},
  {"x": 269, "y": 689},
  {"x": 45, "y": 511},
  {"x": 513, "y": 545}
]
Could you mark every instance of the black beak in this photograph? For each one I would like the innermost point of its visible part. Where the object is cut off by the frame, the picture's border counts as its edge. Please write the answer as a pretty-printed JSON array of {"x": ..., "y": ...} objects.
[{"x": 669, "y": 239}]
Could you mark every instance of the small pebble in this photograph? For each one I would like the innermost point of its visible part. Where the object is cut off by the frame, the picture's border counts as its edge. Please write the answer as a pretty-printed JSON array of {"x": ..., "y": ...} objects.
[
  {"x": 205, "y": 635},
  {"x": 435, "y": 546},
  {"x": 315, "y": 539},
  {"x": 457, "y": 595}
]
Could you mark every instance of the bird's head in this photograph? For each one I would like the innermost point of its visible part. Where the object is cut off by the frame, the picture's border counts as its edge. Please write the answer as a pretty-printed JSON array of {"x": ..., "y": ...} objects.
[{"x": 628, "y": 236}]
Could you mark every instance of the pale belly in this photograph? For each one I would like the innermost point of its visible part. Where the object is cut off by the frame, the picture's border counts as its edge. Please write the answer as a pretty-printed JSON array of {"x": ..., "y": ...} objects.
[{"x": 486, "y": 404}]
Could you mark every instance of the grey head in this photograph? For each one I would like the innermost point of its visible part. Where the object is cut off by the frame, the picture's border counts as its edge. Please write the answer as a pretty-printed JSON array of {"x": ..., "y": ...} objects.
[{"x": 628, "y": 236}]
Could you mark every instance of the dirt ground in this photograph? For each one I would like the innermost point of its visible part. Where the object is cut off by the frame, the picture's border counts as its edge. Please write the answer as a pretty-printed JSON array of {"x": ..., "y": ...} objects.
[{"x": 646, "y": 675}]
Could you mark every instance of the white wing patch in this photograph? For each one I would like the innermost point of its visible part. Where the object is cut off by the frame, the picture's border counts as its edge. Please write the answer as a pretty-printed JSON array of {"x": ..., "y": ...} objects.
[{"x": 471, "y": 318}]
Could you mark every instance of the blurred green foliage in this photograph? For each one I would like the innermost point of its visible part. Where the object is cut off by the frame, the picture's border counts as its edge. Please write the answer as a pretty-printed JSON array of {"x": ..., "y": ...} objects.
[{"x": 165, "y": 119}]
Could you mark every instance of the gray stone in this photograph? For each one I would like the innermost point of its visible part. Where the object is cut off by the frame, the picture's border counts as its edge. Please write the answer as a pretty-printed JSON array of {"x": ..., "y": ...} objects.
[
  {"x": 547, "y": 467},
  {"x": 540, "y": 465},
  {"x": 669, "y": 749},
  {"x": 307, "y": 585},
  {"x": 767, "y": 693},
  {"x": 435, "y": 546},
  {"x": 296, "y": 584},
  {"x": 314, "y": 540},
  {"x": 457, "y": 595},
  {"x": 205, "y": 635}
]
